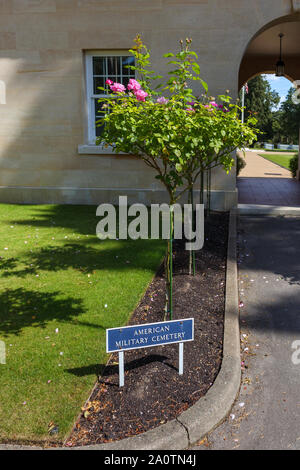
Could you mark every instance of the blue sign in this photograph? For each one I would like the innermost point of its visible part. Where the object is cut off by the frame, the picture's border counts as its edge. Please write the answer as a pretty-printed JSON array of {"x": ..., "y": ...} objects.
[{"x": 149, "y": 335}]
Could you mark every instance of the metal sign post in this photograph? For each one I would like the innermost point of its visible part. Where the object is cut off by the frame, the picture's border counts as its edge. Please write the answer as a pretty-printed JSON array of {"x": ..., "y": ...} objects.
[
  {"x": 180, "y": 358},
  {"x": 121, "y": 369}
]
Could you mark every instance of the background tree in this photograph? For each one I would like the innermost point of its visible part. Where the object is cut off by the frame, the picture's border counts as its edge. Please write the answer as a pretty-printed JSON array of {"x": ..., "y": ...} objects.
[
  {"x": 290, "y": 119},
  {"x": 262, "y": 101}
]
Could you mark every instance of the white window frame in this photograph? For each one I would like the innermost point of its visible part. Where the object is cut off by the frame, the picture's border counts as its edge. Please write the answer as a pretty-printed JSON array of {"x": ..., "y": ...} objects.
[{"x": 90, "y": 95}]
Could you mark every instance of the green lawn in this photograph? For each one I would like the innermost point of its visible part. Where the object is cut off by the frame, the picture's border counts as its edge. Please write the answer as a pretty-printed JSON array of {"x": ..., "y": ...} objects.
[
  {"x": 282, "y": 160},
  {"x": 60, "y": 288},
  {"x": 273, "y": 150}
]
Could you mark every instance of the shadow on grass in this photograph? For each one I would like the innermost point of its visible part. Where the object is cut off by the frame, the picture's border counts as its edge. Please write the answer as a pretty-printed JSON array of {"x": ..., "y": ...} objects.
[
  {"x": 81, "y": 219},
  {"x": 21, "y": 308},
  {"x": 112, "y": 256},
  {"x": 122, "y": 255}
]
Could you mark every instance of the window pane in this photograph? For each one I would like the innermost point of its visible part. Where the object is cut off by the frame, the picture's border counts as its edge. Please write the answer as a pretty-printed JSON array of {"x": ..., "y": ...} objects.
[
  {"x": 99, "y": 67},
  {"x": 104, "y": 68},
  {"x": 99, "y": 130},
  {"x": 125, "y": 81},
  {"x": 113, "y": 65},
  {"x": 99, "y": 81},
  {"x": 99, "y": 114},
  {"x": 125, "y": 62}
]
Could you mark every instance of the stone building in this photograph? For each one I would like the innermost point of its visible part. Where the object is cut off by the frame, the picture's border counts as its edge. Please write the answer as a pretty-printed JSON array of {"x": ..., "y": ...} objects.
[{"x": 52, "y": 52}]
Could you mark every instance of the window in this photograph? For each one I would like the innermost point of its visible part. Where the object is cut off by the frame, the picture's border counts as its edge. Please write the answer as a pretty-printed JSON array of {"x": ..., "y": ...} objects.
[{"x": 101, "y": 66}]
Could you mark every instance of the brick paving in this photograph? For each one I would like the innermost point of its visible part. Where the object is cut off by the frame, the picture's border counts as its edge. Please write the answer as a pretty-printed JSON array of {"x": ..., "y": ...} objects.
[{"x": 263, "y": 182}]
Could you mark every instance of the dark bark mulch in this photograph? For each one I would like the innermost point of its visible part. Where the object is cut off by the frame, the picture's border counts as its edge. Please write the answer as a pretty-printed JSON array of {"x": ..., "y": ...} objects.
[{"x": 154, "y": 393}]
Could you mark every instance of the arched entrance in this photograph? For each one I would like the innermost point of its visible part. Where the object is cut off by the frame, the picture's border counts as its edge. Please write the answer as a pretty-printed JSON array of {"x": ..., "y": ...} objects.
[{"x": 260, "y": 57}]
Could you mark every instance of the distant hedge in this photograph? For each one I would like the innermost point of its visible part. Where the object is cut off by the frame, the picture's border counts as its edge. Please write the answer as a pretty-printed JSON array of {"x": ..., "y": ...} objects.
[
  {"x": 294, "y": 165},
  {"x": 240, "y": 164}
]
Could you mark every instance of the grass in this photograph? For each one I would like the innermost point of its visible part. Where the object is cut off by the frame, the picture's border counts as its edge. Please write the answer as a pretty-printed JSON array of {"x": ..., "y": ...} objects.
[
  {"x": 56, "y": 274},
  {"x": 279, "y": 150},
  {"x": 281, "y": 160},
  {"x": 274, "y": 150}
]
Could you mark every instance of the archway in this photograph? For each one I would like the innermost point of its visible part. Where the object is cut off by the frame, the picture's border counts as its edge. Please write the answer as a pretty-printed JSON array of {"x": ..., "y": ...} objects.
[{"x": 260, "y": 57}]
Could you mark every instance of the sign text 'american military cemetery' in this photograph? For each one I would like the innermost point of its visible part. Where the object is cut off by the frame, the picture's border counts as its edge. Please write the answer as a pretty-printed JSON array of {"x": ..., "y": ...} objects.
[{"x": 149, "y": 335}]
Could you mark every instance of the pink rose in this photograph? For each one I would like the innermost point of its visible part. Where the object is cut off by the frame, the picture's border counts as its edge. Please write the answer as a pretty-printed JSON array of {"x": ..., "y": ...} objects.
[
  {"x": 133, "y": 85},
  {"x": 141, "y": 95},
  {"x": 214, "y": 104},
  {"x": 109, "y": 82},
  {"x": 117, "y": 88},
  {"x": 162, "y": 100}
]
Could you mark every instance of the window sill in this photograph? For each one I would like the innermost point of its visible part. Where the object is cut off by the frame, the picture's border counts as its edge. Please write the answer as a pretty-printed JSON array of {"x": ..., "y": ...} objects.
[{"x": 89, "y": 149}]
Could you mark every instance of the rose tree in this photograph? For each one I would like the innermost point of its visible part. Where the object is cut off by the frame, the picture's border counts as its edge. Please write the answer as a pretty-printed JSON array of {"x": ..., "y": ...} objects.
[{"x": 173, "y": 132}]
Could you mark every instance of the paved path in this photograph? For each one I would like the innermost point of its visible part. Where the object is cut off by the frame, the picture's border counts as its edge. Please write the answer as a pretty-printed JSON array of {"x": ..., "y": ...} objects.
[
  {"x": 267, "y": 412},
  {"x": 259, "y": 167},
  {"x": 263, "y": 182},
  {"x": 269, "y": 191}
]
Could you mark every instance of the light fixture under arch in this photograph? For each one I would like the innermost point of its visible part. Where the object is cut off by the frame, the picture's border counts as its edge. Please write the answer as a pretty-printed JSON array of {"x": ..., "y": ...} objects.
[{"x": 280, "y": 65}]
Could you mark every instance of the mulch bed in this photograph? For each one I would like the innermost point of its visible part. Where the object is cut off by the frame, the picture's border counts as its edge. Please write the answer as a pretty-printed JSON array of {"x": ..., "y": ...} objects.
[{"x": 154, "y": 393}]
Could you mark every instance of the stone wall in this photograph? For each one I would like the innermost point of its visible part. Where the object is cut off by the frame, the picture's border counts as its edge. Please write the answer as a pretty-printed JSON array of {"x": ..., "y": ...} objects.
[{"x": 43, "y": 122}]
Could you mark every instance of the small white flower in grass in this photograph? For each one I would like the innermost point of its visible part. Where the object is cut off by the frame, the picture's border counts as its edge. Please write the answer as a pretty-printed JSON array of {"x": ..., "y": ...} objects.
[
  {"x": 56, "y": 330},
  {"x": 105, "y": 306},
  {"x": 61, "y": 353},
  {"x": 5, "y": 248}
]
